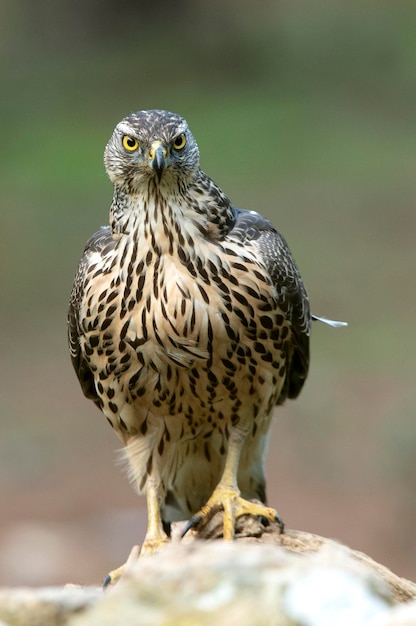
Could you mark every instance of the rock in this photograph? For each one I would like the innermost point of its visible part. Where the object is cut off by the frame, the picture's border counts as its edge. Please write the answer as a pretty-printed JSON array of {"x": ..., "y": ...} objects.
[
  {"x": 248, "y": 585},
  {"x": 262, "y": 578},
  {"x": 49, "y": 606},
  {"x": 402, "y": 615}
]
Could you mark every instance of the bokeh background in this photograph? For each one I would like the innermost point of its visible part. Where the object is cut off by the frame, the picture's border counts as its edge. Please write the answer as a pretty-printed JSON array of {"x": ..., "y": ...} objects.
[{"x": 303, "y": 110}]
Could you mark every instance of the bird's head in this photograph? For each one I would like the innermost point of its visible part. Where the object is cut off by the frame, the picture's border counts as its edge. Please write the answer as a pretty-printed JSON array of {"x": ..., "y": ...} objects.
[{"x": 151, "y": 145}]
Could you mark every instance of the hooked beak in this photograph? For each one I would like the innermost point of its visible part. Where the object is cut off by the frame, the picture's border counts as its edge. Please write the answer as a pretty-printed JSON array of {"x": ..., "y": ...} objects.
[{"x": 157, "y": 158}]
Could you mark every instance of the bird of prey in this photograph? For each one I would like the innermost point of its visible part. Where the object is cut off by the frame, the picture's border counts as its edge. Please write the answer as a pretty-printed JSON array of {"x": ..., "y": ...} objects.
[{"x": 188, "y": 323}]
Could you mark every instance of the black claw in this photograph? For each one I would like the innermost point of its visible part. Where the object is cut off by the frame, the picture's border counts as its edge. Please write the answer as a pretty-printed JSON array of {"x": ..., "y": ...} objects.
[
  {"x": 107, "y": 581},
  {"x": 264, "y": 521},
  {"x": 281, "y": 524},
  {"x": 191, "y": 523},
  {"x": 167, "y": 527}
]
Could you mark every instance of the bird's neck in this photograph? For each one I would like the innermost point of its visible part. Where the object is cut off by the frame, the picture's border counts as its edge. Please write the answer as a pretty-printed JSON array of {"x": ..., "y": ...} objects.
[{"x": 167, "y": 215}]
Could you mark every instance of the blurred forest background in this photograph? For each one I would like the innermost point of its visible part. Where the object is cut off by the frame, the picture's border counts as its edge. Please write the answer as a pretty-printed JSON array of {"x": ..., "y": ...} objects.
[{"x": 303, "y": 110}]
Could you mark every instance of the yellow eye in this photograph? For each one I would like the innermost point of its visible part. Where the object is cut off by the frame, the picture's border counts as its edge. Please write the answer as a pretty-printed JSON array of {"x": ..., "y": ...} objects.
[
  {"x": 180, "y": 142},
  {"x": 130, "y": 143}
]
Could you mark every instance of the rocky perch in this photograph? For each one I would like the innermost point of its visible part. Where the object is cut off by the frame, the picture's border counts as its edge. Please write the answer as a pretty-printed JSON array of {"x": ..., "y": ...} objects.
[{"x": 261, "y": 579}]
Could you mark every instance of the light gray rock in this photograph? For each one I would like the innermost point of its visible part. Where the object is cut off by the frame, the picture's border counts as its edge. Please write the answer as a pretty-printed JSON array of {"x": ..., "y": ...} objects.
[
  {"x": 48, "y": 606},
  {"x": 244, "y": 584},
  {"x": 261, "y": 579}
]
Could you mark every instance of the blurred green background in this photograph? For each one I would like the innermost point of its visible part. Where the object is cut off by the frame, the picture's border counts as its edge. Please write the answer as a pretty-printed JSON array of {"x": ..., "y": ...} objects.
[{"x": 303, "y": 110}]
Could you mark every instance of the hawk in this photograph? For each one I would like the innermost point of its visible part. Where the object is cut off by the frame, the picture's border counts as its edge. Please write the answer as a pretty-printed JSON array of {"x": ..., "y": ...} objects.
[{"x": 188, "y": 323}]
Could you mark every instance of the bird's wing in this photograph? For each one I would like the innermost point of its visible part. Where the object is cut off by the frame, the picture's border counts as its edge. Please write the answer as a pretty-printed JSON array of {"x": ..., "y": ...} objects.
[
  {"x": 292, "y": 297},
  {"x": 101, "y": 241}
]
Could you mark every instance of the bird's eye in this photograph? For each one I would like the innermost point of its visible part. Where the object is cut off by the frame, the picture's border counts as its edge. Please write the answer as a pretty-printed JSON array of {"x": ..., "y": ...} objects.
[
  {"x": 180, "y": 142},
  {"x": 130, "y": 143}
]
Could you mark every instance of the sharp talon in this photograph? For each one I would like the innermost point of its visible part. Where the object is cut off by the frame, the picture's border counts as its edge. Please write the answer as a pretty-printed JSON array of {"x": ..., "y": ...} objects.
[
  {"x": 280, "y": 523},
  {"x": 192, "y": 523},
  {"x": 115, "y": 574},
  {"x": 107, "y": 581},
  {"x": 264, "y": 521}
]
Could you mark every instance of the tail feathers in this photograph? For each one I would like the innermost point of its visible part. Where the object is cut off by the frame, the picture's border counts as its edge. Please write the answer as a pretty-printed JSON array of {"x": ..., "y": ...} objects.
[{"x": 333, "y": 323}]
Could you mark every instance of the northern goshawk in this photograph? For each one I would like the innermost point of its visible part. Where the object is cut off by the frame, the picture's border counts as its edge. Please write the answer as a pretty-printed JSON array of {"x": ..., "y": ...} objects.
[{"x": 188, "y": 323}]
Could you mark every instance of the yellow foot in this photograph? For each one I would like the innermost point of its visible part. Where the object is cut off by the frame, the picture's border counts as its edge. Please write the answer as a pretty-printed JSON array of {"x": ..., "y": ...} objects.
[
  {"x": 115, "y": 574},
  {"x": 150, "y": 546},
  {"x": 229, "y": 500}
]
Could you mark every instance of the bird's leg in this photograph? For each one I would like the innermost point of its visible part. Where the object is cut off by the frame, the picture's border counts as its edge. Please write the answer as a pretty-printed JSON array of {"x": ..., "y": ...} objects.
[
  {"x": 226, "y": 495},
  {"x": 155, "y": 535}
]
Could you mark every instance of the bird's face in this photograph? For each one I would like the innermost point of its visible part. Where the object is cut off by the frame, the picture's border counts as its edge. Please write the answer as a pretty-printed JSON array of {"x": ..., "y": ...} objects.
[{"x": 151, "y": 145}]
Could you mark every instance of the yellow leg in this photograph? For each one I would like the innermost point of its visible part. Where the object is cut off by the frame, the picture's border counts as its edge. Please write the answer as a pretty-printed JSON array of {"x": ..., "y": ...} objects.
[
  {"x": 226, "y": 496},
  {"x": 155, "y": 535}
]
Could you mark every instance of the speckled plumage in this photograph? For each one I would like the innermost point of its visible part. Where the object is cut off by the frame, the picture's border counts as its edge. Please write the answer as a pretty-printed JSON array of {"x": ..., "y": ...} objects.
[{"x": 188, "y": 320}]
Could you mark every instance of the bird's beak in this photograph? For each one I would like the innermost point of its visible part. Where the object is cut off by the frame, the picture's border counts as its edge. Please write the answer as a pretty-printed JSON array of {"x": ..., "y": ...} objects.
[{"x": 157, "y": 158}]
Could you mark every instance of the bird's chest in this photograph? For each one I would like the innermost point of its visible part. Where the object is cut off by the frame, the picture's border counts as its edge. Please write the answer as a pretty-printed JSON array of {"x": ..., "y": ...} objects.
[{"x": 188, "y": 336}]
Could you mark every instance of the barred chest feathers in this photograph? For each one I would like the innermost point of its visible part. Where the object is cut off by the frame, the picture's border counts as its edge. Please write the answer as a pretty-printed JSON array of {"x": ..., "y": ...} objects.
[{"x": 177, "y": 326}]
